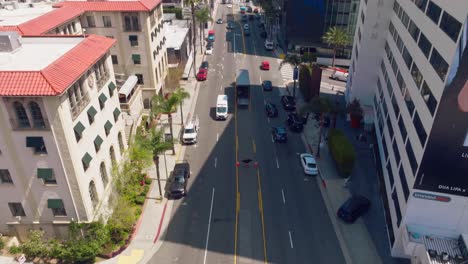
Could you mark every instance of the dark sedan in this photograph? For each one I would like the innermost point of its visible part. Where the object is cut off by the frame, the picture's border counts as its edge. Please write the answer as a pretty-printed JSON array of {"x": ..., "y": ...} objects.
[
  {"x": 295, "y": 122},
  {"x": 279, "y": 134},
  {"x": 288, "y": 102},
  {"x": 267, "y": 85},
  {"x": 353, "y": 208},
  {"x": 178, "y": 185},
  {"x": 271, "y": 110}
]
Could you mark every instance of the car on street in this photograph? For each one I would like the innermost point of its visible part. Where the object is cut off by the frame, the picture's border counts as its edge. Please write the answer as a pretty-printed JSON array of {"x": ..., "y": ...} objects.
[
  {"x": 288, "y": 102},
  {"x": 246, "y": 27},
  {"x": 209, "y": 50},
  {"x": 279, "y": 134},
  {"x": 309, "y": 164},
  {"x": 271, "y": 110},
  {"x": 211, "y": 36},
  {"x": 268, "y": 44},
  {"x": 267, "y": 85},
  {"x": 230, "y": 25},
  {"x": 209, "y": 45},
  {"x": 249, "y": 9},
  {"x": 339, "y": 75},
  {"x": 353, "y": 208},
  {"x": 255, "y": 10},
  {"x": 242, "y": 9},
  {"x": 246, "y": 32},
  {"x": 204, "y": 65},
  {"x": 202, "y": 74},
  {"x": 258, "y": 16},
  {"x": 219, "y": 21},
  {"x": 265, "y": 66},
  {"x": 295, "y": 123},
  {"x": 229, "y": 5},
  {"x": 179, "y": 179},
  {"x": 190, "y": 133}
]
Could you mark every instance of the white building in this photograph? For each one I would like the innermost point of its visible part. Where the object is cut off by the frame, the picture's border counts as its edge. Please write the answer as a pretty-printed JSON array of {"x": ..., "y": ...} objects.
[
  {"x": 61, "y": 131},
  {"x": 407, "y": 64}
]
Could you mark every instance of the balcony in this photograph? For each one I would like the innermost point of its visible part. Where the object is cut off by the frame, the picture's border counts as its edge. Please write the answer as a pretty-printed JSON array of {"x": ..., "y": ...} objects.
[
  {"x": 79, "y": 106},
  {"x": 103, "y": 80},
  {"x": 130, "y": 97},
  {"x": 40, "y": 124}
]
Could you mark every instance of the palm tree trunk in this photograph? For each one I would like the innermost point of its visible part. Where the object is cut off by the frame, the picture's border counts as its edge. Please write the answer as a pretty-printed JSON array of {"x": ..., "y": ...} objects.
[
  {"x": 181, "y": 113},
  {"x": 169, "y": 116},
  {"x": 334, "y": 55},
  {"x": 201, "y": 37},
  {"x": 158, "y": 174},
  {"x": 192, "y": 6}
]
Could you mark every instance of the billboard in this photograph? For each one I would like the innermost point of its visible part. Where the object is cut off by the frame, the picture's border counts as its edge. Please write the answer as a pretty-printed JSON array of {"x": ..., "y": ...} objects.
[{"x": 444, "y": 166}]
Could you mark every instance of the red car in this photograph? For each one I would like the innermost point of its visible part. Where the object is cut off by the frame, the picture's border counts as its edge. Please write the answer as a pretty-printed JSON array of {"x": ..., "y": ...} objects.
[
  {"x": 202, "y": 74},
  {"x": 265, "y": 65}
]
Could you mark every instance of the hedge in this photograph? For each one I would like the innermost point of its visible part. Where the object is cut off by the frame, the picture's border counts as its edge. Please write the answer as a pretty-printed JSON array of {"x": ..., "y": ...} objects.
[
  {"x": 174, "y": 10},
  {"x": 342, "y": 151}
]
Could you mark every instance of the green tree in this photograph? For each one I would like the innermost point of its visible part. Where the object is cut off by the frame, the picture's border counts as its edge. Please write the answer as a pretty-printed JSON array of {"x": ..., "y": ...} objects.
[
  {"x": 294, "y": 60},
  {"x": 192, "y": 4},
  {"x": 35, "y": 246},
  {"x": 202, "y": 16},
  {"x": 85, "y": 242},
  {"x": 336, "y": 38},
  {"x": 181, "y": 95}
]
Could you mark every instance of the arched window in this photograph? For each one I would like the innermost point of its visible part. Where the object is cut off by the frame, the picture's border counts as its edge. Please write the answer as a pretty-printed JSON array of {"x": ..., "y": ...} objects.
[
  {"x": 21, "y": 116},
  {"x": 93, "y": 194},
  {"x": 38, "y": 120},
  {"x": 121, "y": 144},
  {"x": 147, "y": 103},
  {"x": 112, "y": 156},
  {"x": 103, "y": 171}
]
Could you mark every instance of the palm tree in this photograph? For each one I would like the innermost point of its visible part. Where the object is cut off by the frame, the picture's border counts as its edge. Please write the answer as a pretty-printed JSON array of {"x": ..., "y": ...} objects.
[
  {"x": 192, "y": 9},
  {"x": 293, "y": 60},
  {"x": 202, "y": 16},
  {"x": 318, "y": 105},
  {"x": 181, "y": 95},
  {"x": 336, "y": 38}
]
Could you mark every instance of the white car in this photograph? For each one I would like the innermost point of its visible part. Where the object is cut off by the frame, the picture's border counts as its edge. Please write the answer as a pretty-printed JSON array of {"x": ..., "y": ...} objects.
[
  {"x": 191, "y": 131},
  {"x": 209, "y": 51},
  {"x": 229, "y": 6},
  {"x": 268, "y": 45},
  {"x": 309, "y": 164},
  {"x": 339, "y": 75},
  {"x": 246, "y": 27}
]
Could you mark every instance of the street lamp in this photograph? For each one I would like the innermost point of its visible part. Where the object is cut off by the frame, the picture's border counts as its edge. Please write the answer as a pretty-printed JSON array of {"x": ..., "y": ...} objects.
[{"x": 158, "y": 177}]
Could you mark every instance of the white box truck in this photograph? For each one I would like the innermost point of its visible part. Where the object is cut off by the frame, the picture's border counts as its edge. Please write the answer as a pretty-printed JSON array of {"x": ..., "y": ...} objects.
[{"x": 222, "y": 107}]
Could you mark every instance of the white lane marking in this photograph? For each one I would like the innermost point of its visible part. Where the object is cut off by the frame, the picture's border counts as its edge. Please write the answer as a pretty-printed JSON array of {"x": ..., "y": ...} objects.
[
  {"x": 216, "y": 161},
  {"x": 264, "y": 101},
  {"x": 268, "y": 119},
  {"x": 282, "y": 194},
  {"x": 260, "y": 79},
  {"x": 277, "y": 163},
  {"x": 221, "y": 88},
  {"x": 217, "y": 137},
  {"x": 272, "y": 140},
  {"x": 209, "y": 226},
  {"x": 290, "y": 239}
]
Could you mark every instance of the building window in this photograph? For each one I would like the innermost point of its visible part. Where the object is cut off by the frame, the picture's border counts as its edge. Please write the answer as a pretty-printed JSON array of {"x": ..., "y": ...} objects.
[
  {"x": 384, "y": 148},
  {"x": 407, "y": 58},
  {"x": 107, "y": 127},
  {"x": 37, "y": 143},
  {"x": 422, "y": 135},
  {"x": 115, "y": 60},
  {"x": 450, "y": 26},
  {"x": 389, "y": 127},
  {"x": 413, "y": 30},
  {"x": 362, "y": 17},
  {"x": 16, "y": 209},
  {"x": 116, "y": 114},
  {"x": 112, "y": 88},
  {"x": 404, "y": 18},
  {"x": 73, "y": 26},
  {"x": 408, "y": 101},
  {"x": 57, "y": 207},
  {"x": 421, "y": 4},
  {"x": 133, "y": 40},
  {"x": 389, "y": 88},
  {"x": 147, "y": 103},
  {"x": 97, "y": 143},
  {"x": 91, "y": 114},
  {"x": 417, "y": 76},
  {"x": 106, "y": 20},
  {"x": 112, "y": 156},
  {"x": 424, "y": 45},
  {"x": 121, "y": 143},
  {"x": 154, "y": 55},
  {"x": 384, "y": 107},
  {"x": 390, "y": 174},
  {"x": 78, "y": 128},
  {"x": 136, "y": 58},
  {"x": 428, "y": 98},
  {"x": 411, "y": 157},
  {"x": 397, "y": 207},
  {"x": 439, "y": 64},
  {"x": 91, "y": 21},
  {"x": 21, "y": 115},
  {"x": 103, "y": 172},
  {"x": 433, "y": 12},
  {"x": 38, "y": 120},
  {"x": 93, "y": 194},
  {"x": 47, "y": 175},
  {"x": 131, "y": 22},
  {"x": 404, "y": 183},
  {"x": 140, "y": 78},
  {"x": 102, "y": 100},
  {"x": 396, "y": 152},
  {"x": 396, "y": 108},
  {"x": 86, "y": 161},
  {"x": 77, "y": 97},
  {"x": 401, "y": 125},
  {"x": 5, "y": 176}
]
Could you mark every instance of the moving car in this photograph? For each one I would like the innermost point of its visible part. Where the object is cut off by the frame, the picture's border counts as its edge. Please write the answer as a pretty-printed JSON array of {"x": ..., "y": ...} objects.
[
  {"x": 209, "y": 50},
  {"x": 353, "y": 208},
  {"x": 180, "y": 176},
  {"x": 265, "y": 66},
  {"x": 255, "y": 10},
  {"x": 191, "y": 131},
  {"x": 246, "y": 27},
  {"x": 249, "y": 9},
  {"x": 242, "y": 9},
  {"x": 340, "y": 76},
  {"x": 308, "y": 164},
  {"x": 202, "y": 74},
  {"x": 268, "y": 44},
  {"x": 230, "y": 25},
  {"x": 246, "y": 32},
  {"x": 267, "y": 85},
  {"x": 219, "y": 21},
  {"x": 222, "y": 107},
  {"x": 244, "y": 18},
  {"x": 204, "y": 65},
  {"x": 288, "y": 102},
  {"x": 279, "y": 134},
  {"x": 295, "y": 123},
  {"x": 211, "y": 35},
  {"x": 271, "y": 110}
]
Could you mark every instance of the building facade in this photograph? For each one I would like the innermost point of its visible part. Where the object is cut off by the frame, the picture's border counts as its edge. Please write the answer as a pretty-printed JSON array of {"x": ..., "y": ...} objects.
[
  {"x": 409, "y": 64},
  {"x": 62, "y": 131}
]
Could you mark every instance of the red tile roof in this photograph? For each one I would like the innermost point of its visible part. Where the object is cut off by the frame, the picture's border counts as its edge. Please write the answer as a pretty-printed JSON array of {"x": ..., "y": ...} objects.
[
  {"x": 109, "y": 6},
  {"x": 58, "y": 76},
  {"x": 50, "y": 20},
  {"x": 11, "y": 28}
]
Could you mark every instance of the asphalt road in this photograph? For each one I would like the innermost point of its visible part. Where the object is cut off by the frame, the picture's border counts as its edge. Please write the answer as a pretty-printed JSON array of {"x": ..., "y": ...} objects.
[{"x": 270, "y": 213}]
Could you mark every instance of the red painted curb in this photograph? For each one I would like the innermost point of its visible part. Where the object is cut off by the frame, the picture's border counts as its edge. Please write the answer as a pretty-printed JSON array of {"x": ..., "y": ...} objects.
[
  {"x": 324, "y": 184},
  {"x": 160, "y": 223}
]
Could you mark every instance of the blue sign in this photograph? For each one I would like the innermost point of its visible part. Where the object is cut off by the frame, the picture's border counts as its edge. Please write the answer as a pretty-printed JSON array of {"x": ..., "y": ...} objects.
[{"x": 295, "y": 73}]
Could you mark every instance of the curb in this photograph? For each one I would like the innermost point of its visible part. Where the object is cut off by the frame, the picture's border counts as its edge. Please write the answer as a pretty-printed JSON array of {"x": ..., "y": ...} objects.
[{"x": 160, "y": 223}]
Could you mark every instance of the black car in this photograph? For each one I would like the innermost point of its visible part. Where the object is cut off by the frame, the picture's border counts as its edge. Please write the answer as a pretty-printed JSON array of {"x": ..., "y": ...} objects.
[
  {"x": 267, "y": 85},
  {"x": 263, "y": 34},
  {"x": 249, "y": 9},
  {"x": 209, "y": 45},
  {"x": 288, "y": 102},
  {"x": 353, "y": 208},
  {"x": 295, "y": 123},
  {"x": 279, "y": 134},
  {"x": 271, "y": 110},
  {"x": 204, "y": 65},
  {"x": 178, "y": 185}
]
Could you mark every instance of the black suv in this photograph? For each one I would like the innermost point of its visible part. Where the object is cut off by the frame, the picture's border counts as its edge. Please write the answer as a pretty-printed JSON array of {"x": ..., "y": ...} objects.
[
  {"x": 180, "y": 175},
  {"x": 279, "y": 134},
  {"x": 271, "y": 110},
  {"x": 353, "y": 208},
  {"x": 204, "y": 65},
  {"x": 295, "y": 122},
  {"x": 288, "y": 102}
]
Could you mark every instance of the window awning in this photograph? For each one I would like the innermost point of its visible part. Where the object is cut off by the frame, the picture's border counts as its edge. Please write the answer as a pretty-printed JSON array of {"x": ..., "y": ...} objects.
[
  {"x": 92, "y": 112},
  {"x": 116, "y": 113},
  {"x": 86, "y": 159},
  {"x": 43, "y": 173},
  {"x": 54, "y": 203},
  {"x": 102, "y": 98},
  {"x": 135, "y": 56},
  {"x": 98, "y": 141},
  {"x": 108, "y": 125},
  {"x": 79, "y": 128},
  {"x": 32, "y": 142},
  {"x": 111, "y": 86},
  {"x": 129, "y": 85}
]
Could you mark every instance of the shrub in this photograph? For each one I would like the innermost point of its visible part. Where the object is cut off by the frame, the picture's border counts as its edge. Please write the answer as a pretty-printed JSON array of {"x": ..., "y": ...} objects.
[
  {"x": 140, "y": 200},
  {"x": 148, "y": 181},
  {"x": 145, "y": 190},
  {"x": 2, "y": 244},
  {"x": 35, "y": 246},
  {"x": 174, "y": 10},
  {"x": 342, "y": 151},
  {"x": 14, "y": 250}
]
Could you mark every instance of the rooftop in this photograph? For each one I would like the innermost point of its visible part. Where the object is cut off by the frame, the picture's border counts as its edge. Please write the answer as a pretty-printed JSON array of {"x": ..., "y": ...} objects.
[
  {"x": 13, "y": 17},
  {"x": 175, "y": 35}
]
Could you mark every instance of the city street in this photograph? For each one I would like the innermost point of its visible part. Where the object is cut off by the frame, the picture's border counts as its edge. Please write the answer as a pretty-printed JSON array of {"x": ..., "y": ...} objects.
[{"x": 270, "y": 213}]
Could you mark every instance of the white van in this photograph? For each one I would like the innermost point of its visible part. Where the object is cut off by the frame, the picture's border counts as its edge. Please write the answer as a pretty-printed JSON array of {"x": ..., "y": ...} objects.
[
  {"x": 339, "y": 75},
  {"x": 222, "y": 107},
  {"x": 268, "y": 45}
]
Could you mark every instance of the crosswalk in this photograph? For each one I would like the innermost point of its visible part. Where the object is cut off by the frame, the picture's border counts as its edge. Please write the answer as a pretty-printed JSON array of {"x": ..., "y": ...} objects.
[{"x": 287, "y": 72}]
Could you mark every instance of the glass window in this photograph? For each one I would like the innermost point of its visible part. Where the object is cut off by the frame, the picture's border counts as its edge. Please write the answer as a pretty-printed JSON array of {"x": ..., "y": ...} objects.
[
  {"x": 433, "y": 12},
  {"x": 385, "y": 109},
  {"x": 396, "y": 7},
  {"x": 38, "y": 120},
  {"x": 404, "y": 183},
  {"x": 394, "y": 66},
  {"x": 21, "y": 115},
  {"x": 391, "y": 27},
  {"x": 428, "y": 98},
  {"x": 396, "y": 108},
  {"x": 405, "y": 19},
  {"x": 450, "y": 26},
  {"x": 115, "y": 60},
  {"x": 413, "y": 30},
  {"x": 91, "y": 22},
  {"x": 424, "y": 45},
  {"x": 389, "y": 127},
  {"x": 407, "y": 57},
  {"x": 16, "y": 209},
  {"x": 5, "y": 176},
  {"x": 421, "y": 4},
  {"x": 402, "y": 127},
  {"x": 106, "y": 20},
  {"x": 439, "y": 64},
  {"x": 411, "y": 157},
  {"x": 390, "y": 174},
  {"x": 389, "y": 88},
  {"x": 397, "y": 207},
  {"x": 384, "y": 147},
  {"x": 408, "y": 101},
  {"x": 416, "y": 74},
  {"x": 103, "y": 172},
  {"x": 93, "y": 194},
  {"x": 121, "y": 143},
  {"x": 396, "y": 152},
  {"x": 136, "y": 58},
  {"x": 140, "y": 78},
  {"x": 422, "y": 135},
  {"x": 362, "y": 17},
  {"x": 400, "y": 44}
]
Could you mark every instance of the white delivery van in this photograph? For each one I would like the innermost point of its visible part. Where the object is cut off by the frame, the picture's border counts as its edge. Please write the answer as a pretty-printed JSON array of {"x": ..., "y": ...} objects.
[
  {"x": 339, "y": 75},
  {"x": 222, "y": 107}
]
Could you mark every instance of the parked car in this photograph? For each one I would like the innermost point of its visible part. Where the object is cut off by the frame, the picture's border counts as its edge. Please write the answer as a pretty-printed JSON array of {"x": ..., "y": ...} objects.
[
  {"x": 204, "y": 65},
  {"x": 268, "y": 44},
  {"x": 340, "y": 76},
  {"x": 179, "y": 179},
  {"x": 219, "y": 21},
  {"x": 279, "y": 134},
  {"x": 271, "y": 110},
  {"x": 190, "y": 134},
  {"x": 255, "y": 10},
  {"x": 209, "y": 45},
  {"x": 246, "y": 27},
  {"x": 309, "y": 164},
  {"x": 202, "y": 74},
  {"x": 288, "y": 102},
  {"x": 230, "y": 25},
  {"x": 249, "y": 9},
  {"x": 265, "y": 66},
  {"x": 353, "y": 208},
  {"x": 267, "y": 85},
  {"x": 244, "y": 18},
  {"x": 229, "y": 5},
  {"x": 295, "y": 123},
  {"x": 209, "y": 50}
]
